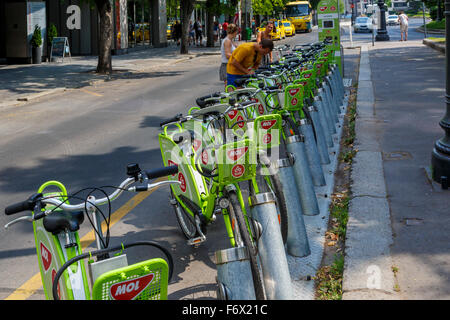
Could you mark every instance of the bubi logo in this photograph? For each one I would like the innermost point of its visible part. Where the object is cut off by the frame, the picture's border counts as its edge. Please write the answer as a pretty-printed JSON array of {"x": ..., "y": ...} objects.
[
  {"x": 323, "y": 9},
  {"x": 183, "y": 182},
  {"x": 237, "y": 153},
  {"x": 205, "y": 157},
  {"x": 46, "y": 257},
  {"x": 197, "y": 144},
  {"x": 240, "y": 124},
  {"x": 171, "y": 163},
  {"x": 261, "y": 109},
  {"x": 238, "y": 170},
  {"x": 267, "y": 138},
  {"x": 333, "y": 8},
  {"x": 232, "y": 114},
  {"x": 130, "y": 289}
]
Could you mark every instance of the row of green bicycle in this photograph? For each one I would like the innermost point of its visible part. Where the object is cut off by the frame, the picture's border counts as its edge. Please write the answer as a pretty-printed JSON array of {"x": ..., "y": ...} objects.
[{"x": 235, "y": 154}]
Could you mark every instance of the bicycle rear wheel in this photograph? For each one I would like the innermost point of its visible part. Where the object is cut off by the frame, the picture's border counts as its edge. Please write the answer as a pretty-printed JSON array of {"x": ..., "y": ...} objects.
[{"x": 242, "y": 232}]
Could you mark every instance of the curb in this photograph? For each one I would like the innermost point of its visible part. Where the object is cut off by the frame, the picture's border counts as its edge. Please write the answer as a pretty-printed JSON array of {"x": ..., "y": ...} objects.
[
  {"x": 367, "y": 267},
  {"x": 31, "y": 97},
  {"x": 431, "y": 31},
  {"x": 434, "y": 45}
]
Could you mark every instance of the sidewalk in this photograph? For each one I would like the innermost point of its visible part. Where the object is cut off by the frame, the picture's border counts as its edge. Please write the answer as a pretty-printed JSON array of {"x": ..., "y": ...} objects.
[
  {"x": 19, "y": 83},
  {"x": 398, "y": 232}
]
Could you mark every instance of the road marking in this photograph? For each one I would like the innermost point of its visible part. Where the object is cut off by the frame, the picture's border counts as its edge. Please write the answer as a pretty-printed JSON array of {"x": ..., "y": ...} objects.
[
  {"x": 93, "y": 93},
  {"x": 34, "y": 283}
]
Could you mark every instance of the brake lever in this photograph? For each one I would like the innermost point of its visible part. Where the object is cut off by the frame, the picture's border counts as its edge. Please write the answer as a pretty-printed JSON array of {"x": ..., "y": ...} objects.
[{"x": 24, "y": 218}]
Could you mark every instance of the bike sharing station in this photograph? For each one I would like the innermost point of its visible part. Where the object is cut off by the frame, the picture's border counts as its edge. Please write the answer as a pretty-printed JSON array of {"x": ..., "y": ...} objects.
[
  {"x": 329, "y": 27},
  {"x": 283, "y": 260}
]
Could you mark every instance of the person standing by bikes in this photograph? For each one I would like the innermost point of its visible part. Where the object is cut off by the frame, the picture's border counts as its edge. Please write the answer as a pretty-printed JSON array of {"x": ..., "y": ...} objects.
[
  {"x": 198, "y": 32},
  {"x": 266, "y": 35},
  {"x": 227, "y": 47},
  {"x": 246, "y": 58},
  {"x": 403, "y": 20}
]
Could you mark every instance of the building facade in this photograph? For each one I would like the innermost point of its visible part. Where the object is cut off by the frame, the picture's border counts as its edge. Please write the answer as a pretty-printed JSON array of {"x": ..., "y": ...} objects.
[{"x": 137, "y": 24}]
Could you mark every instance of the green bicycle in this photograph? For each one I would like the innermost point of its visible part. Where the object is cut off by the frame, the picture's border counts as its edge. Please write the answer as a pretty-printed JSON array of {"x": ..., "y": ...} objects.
[{"x": 56, "y": 223}]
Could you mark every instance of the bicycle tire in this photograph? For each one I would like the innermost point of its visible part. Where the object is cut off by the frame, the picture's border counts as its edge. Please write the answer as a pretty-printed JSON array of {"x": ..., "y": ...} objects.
[
  {"x": 248, "y": 242},
  {"x": 280, "y": 203},
  {"x": 186, "y": 223}
]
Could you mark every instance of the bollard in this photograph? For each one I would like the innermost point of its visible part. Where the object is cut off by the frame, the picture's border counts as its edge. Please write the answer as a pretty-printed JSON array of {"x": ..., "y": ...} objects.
[
  {"x": 296, "y": 146},
  {"x": 312, "y": 153},
  {"x": 320, "y": 136},
  {"x": 318, "y": 103},
  {"x": 332, "y": 106},
  {"x": 327, "y": 109},
  {"x": 334, "y": 92},
  {"x": 274, "y": 265},
  {"x": 234, "y": 275},
  {"x": 297, "y": 244}
]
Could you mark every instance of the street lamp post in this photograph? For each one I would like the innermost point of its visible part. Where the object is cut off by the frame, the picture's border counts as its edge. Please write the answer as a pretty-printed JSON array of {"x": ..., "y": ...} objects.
[
  {"x": 382, "y": 34},
  {"x": 440, "y": 157}
]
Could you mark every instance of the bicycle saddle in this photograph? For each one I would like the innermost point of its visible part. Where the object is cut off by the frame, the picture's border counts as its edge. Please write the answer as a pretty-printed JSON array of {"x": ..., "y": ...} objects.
[{"x": 59, "y": 221}]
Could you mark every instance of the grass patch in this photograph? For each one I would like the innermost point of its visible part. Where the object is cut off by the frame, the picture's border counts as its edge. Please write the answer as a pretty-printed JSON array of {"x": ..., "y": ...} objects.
[
  {"x": 436, "y": 25},
  {"x": 330, "y": 280}
]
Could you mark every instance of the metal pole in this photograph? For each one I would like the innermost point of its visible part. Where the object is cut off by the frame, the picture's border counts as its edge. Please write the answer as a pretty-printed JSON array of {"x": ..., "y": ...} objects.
[
  {"x": 274, "y": 265},
  {"x": 424, "y": 22},
  {"x": 382, "y": 34},
  {"x": 440, "y": 158}
]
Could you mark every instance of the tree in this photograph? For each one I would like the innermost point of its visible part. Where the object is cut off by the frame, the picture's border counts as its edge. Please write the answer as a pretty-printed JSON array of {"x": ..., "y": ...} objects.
[
  {"x": 104, "y": 64},
  {"x": 186, "y": 8}
]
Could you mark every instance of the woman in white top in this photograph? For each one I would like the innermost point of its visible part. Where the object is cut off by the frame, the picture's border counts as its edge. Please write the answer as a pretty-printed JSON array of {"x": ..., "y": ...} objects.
[{"x": 227, "y": 48}]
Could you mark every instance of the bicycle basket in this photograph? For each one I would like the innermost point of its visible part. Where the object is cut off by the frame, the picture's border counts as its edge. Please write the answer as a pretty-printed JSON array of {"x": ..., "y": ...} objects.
[
  {"x": 147, "y": 280},
  {"x": 237, "y": 161},
  {"x": 268, "y": 131}
]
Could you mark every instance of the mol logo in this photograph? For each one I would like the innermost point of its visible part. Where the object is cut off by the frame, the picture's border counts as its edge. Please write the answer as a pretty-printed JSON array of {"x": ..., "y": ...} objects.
[
  {"x": 46, "y": 257},
  {"x": 237, "y": 153},
  {"x": 293, "y": 92},
  {"x": 267, "y": 124},
  {"x": 130, "y": 289}
]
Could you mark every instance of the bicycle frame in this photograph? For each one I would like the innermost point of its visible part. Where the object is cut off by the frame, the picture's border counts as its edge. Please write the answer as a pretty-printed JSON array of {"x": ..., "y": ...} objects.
[{"x": 52, "y": 254}]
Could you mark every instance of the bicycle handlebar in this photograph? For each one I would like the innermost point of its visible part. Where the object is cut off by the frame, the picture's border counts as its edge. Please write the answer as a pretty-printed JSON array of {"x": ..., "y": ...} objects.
[
  {"x": 38, "y": 199},
  {"x": 174, "y": 119},
  {"x": 23, "y": 205}
]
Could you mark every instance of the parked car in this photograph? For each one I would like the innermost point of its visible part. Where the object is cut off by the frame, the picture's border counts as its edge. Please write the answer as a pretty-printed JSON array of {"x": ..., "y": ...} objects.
[
  {"x": 392, "y": 20},
  {"x": 289, "y": 28},
  {"x": 363, "y": 24}
]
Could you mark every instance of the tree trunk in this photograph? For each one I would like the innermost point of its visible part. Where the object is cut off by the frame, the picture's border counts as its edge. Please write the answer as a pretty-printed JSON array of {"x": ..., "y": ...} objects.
[
  {"x": 186, "y": 8},
  {"x": 209, "y": 29},
  {"x": 104, "y": 64}
]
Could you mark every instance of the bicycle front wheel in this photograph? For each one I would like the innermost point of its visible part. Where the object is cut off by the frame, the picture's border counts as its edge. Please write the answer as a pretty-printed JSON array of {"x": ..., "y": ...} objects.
[
  {"x": 185, "y": 220},
  {"x": 242, "y": 232}
]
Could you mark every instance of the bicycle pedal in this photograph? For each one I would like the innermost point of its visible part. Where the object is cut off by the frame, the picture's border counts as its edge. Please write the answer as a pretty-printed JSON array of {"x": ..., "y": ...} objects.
[
  {"x": 196, "y": 241},
  {"x": 173, "y": 201}
]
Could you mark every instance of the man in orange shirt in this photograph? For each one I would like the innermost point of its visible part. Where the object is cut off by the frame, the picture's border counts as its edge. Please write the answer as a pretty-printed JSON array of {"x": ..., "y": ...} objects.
[{"x": 246, "y": 58}]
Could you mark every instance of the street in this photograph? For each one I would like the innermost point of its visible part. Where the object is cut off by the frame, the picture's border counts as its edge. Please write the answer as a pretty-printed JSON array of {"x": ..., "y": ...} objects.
[
  {"x": 85, "y": 138},
  {"x": 393, "y": 32}
]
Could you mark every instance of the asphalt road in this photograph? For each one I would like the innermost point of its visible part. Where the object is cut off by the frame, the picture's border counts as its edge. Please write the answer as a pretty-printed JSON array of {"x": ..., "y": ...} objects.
[
  {"x": 393, "y": 32},
  {"x": 85, "y": 138}
]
